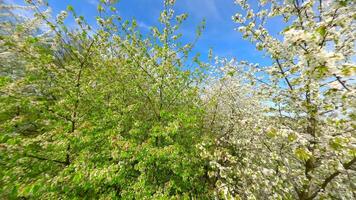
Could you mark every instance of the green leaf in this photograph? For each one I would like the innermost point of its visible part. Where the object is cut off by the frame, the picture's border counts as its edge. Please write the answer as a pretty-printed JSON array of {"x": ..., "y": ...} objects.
[
  {"x": 272, "y": 133},
  {"x": 287, "y": 29},
  {"x": 337, "y": 143},
  {"x": 292, "y": 137},
  {"x": 70, "y": 8},
  {"x": 32, "y": 40},
  {"x": 4, "y": 80},
  {"x": 77, "y": 178},
  {"x": 321, "y": 30},
  {"x": 343, "y": 2},
  {"x": 100, "y": 8},
  {"x": 112, "y": 8},
  {"x": 35, "y": 188},
  {"x": 302, "y": 154},
  {"x": 259, "y": 47},
  {"x": 231, "y": 73}
]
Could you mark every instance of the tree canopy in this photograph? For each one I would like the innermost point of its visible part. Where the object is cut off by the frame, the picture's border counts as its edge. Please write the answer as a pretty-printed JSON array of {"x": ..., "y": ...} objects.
[{"x": 106, "y": 112}]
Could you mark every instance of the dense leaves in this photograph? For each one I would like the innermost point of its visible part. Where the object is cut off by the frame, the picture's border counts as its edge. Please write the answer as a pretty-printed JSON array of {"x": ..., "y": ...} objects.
[
  {"x": 106, "y": 112},
  {"x": 98, "y": 113}
]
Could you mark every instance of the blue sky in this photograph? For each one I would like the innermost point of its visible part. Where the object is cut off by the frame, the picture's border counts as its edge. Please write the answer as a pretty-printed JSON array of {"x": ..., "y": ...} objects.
[{"x": 218, "y": 35}]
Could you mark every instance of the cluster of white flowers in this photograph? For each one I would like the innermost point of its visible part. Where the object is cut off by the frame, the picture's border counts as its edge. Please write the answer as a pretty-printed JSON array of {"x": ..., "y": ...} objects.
[
  {"x": 286, "y": 129},
  {"x": 61, "y": 16},
  {"x": 293, "y": 36}
]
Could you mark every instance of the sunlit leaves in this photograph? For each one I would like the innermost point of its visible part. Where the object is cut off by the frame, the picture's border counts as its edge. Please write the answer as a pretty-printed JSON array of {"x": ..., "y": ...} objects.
[
  {"x": 104, "y": 113},
  {"x": 112, "y": 113}
]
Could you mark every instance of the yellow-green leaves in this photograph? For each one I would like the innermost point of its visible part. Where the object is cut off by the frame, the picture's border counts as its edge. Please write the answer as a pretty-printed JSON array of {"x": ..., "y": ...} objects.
[
  {"x": 321, "y": 30},
  {"x": 338, "y": 143},
  {"x": 70, "y": 8},
  {"x": 292, "y": 137},
  {"x": 271, "y": 133},
  {"x": 302, "y": 154},
  {"x": 100, "y": 8}
]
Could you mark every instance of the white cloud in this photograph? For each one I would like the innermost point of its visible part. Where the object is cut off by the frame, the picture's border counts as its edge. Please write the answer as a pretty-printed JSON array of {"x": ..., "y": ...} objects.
[
  {"x": 93, "y": 2},
  {"x": 204, "y": 8},
  {"x": 143, "y": 25}
]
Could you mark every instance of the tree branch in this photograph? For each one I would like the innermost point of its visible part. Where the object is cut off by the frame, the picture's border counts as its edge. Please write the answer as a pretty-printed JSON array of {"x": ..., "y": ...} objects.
[
  {"x": 331, "y": 177},
  {"x": 283, "y": 73},
  {"x": 338, "y": 78}
]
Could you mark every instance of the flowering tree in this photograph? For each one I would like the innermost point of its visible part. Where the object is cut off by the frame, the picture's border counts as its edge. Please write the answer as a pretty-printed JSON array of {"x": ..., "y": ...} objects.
[
  {"x": 304, "y": 145},
  {"x": 98, "y": 113},
  {"x": 111, "y": 113}
]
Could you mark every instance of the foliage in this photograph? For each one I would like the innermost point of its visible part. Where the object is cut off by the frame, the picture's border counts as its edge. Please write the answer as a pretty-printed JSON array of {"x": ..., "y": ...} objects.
[
  {"x": 99, "y": 113},
  {"x": 107, "y": 112},
  {"x": 293, "y": 138}
]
